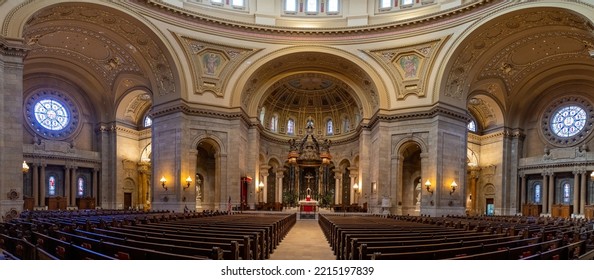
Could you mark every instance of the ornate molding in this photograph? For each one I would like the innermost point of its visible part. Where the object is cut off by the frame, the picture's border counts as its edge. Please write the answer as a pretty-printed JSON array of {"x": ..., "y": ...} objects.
[
  {"x": 212, "y": 64},
  {"x": 408, "y": 66},
  {"x": 120, "y": 58},
  {"x": 465, "y": 12}
]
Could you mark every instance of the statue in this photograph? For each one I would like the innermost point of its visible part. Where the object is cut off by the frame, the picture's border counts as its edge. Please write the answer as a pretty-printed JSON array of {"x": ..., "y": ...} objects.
[
  {"x": 310, "y": 123},
  {"x": 418, "y": 193}
]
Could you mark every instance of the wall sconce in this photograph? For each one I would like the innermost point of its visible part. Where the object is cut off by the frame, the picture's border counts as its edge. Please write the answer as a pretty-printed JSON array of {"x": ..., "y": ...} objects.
[
  {"x": 188, "y": 182},
  {"x": 453, "y": 185},
  {"x": 592, "y": 175},
  {"x": 26, "y": 167},
  {"x": 163, "y": 181},
  {"x": 428, "y": 186},
  {"x": 356, "y": 188}
]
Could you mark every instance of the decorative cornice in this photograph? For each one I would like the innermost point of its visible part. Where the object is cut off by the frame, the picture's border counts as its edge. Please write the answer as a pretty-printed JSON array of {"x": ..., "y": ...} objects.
[
  {"x": 426, "y": 23},
  {"x": 424, "y": 114},
  {"x": 13, "y": 48}
]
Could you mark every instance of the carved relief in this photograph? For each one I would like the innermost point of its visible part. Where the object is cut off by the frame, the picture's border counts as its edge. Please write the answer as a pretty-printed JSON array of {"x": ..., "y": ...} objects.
[
  {"x": 408, "y": 66},
  {"x": 212, "y": 64},
  {"x": 518, "y": 59},
  {"x": 81, "y": 44}
]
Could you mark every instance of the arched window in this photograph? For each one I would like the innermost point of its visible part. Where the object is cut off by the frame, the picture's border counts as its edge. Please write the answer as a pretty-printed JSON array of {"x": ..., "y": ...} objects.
[
  {"x": 346, "y": 124},
  {"x": 329, "y": 127},
  {"x": 148, "y": 121},
  {"x": 291, "y": 127},
  {"x": 332, "y": 7},
  {"x": 51, "y": 186},
  {"x": 81, "y": 187},
  {"x": 262, "y": 114},
  {"x": 471, "y": 126},
  {"x": 566, "y": 193},
  {"x": 274, "y": 123},
  {"x": 537, "y": 190}
]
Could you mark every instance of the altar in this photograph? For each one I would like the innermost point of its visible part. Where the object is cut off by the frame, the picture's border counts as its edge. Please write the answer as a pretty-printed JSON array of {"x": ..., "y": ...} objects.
[{"x": 308, "y": 208}]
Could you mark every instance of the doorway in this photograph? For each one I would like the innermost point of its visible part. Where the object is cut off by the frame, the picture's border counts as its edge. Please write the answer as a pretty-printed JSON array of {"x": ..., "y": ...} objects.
[
  {"x": 490, "y": 211},
  {"x": 127, "y": 200}
]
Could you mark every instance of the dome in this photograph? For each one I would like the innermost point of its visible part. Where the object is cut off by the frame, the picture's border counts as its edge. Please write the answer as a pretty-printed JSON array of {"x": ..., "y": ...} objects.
[{"x": 320, "y": 98}]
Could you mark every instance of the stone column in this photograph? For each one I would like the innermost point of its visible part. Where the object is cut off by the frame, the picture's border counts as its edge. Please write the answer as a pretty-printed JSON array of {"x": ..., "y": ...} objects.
[
  {"x": 545, "y": 192},
  {"x": 67, "y": 192},
  {"x": 523, "y": 193},
  {"x": 583, "y": 187},
  {"x": 12, "y": 53},
  {"x": 73, "y": 186},
  {"x": 35, "y": 168},
  {"x": 95, "y": 186},
  {"x": 353, "y": 176},
  {"x": 551, "y": 191},
  {"x": 280, "y": 174},
  {"x": 337, "y": 187},
  {"x": 42, "y": 185},
  {"x": 576, "y": 192},
  {"x": 474, "y": 176}
]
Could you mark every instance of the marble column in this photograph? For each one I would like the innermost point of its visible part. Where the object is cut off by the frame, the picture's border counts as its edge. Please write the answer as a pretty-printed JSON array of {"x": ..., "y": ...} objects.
[
  {"x": 576, "y": 192},
  {"x": 583, "y": 187},
  {"x": 73, "y": 186},
  {"x": 551, "y": 191},
  {"x": 280, "y": 174},
  {"x": 95, "y": 186},
  {"x": 545, "y": 192},
  {"x": 67, "y": 187},
  {"x": 523, "y": 192},
  {"x": 42, "y": 185},
  {"x": 337, "y": 187},
  {"x": 35, "y": 168}
]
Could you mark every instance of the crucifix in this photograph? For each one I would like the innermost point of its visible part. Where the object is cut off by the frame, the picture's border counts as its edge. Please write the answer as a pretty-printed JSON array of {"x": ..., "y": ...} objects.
[{"x": 308, "y": 177}]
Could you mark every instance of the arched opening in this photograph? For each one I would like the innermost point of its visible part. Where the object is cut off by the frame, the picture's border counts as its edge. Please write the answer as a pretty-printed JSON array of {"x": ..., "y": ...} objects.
[
  {"x": 207, "y": 171},
  {"x": 411, "y": 179}
]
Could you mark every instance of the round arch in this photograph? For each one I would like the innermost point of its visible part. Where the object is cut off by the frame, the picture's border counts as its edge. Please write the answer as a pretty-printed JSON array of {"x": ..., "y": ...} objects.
[{"x": 371, "y": 91}]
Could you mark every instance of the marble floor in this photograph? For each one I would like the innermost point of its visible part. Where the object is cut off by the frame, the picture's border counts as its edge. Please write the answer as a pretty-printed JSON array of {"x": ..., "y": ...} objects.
[{"x": 305, "y": 241}]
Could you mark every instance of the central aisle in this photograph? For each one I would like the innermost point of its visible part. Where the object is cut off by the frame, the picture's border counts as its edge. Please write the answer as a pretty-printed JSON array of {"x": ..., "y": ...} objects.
[{"x": 305, "y": 241}]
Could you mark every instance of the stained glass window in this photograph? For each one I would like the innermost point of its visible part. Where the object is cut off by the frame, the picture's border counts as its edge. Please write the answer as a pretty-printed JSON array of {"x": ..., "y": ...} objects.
[
  {"x": 568, "y": 121},
  {"x": 537, "y": 193},
  {"x": 329, "y": 127},
  {"x": 52, "y": 186},
  {"x": 291, "y": 127},
  {"x": 274, "y": 123},
  {"x": 51, "y": 114},
  {"x": 311, "y": 6},
  {"x": 385, "y": 4},
  {"x": 81, "y": 186},
  {"x": 566, "y": 193}
]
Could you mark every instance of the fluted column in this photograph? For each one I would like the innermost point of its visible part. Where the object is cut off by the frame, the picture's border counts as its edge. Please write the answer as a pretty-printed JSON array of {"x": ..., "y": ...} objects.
[
  {"x": 545, "y": 192},
  {"x": 262, "y": 195}
]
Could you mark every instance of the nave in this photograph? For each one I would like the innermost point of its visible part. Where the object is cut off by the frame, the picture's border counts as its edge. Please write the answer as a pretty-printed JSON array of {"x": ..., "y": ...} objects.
[{"x": 160, "y": 235}]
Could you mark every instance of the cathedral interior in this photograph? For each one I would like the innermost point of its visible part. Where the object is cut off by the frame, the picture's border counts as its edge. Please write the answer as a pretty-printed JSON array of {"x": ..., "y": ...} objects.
[{"x": 424, "y": 107}]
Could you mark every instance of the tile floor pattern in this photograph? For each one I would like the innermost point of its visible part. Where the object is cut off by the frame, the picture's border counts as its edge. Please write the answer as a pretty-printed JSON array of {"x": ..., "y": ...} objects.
[{"x": 305, "y": 241}]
